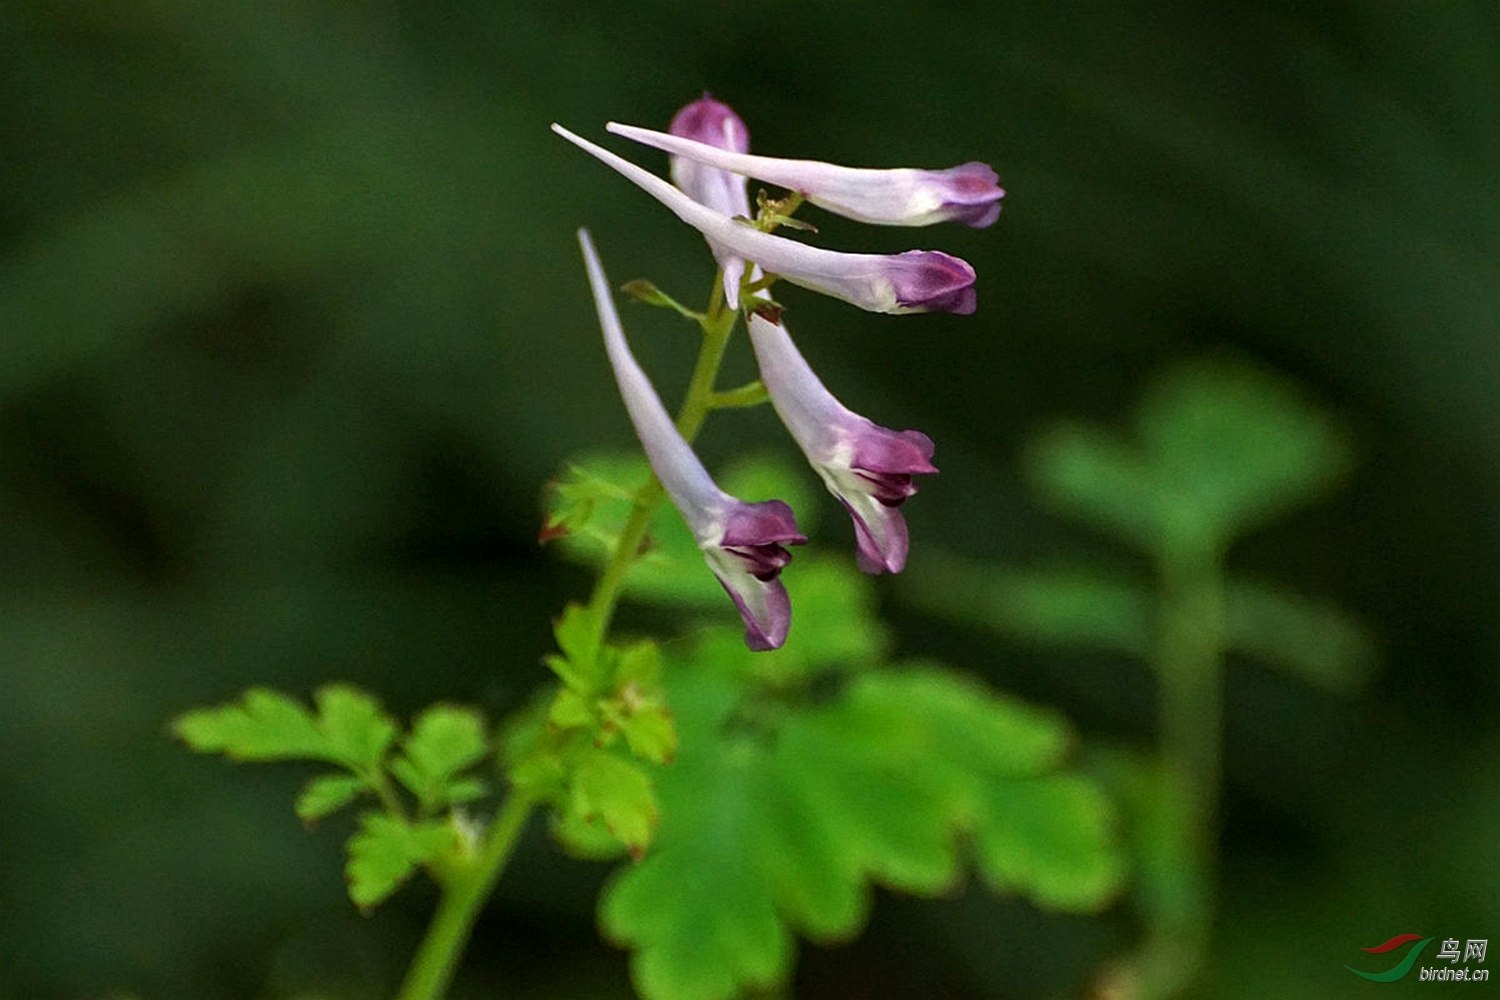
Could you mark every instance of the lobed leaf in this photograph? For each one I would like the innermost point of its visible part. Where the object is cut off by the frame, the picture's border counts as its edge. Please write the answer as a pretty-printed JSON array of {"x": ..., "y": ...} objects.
[
  {"x": 262, "y": 725},
  {"x": 792, "y": 811},
  {"x": 616, "y": 793},
  {"x": 358, "y": 730},
  {"x": 328, "y": 793},
  {"x": 385, "y": 852},
  {"x": 444, "y": 741}
]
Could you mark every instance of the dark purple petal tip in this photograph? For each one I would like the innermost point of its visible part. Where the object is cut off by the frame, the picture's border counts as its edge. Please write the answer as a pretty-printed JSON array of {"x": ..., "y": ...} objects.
[
  {"x": 885, "y": 461},
  {"x": 973, "y": 194},
  {"x": 932, "y": 281},
  {"x": 758, "y": 532}
]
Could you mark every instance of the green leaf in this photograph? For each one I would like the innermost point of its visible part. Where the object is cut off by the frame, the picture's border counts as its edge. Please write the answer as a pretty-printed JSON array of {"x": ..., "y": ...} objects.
[
  {"x": 1240, "y": 442},
  {"x": 1099, "y": 477},
  {"x": 571, "y": 710},
  {"x": 385, "y": 852},
  {"x": 793, "y": 811},
  {"x": 580, "y": 666},
  {"x": 639, "y": 663},
  {"x": 444, "y": 741},
  {"x": 645, "y": 292},
  {"x": 583, "y": 839},
  {"x": 1219, "y": 449},
  {"x": 262, "y": 725},
  {"x": 1051, "y": 838},
  {"x": 573, "y": 499},
  {"x": 1311, "y": 641},
  {"x": 1066, "y": 607},
  {"x": 649, "y": 732},
  {"x": 618, "y": 794},
  {"x": 328, "y": 793},
  {"x": 358, "y": 730}
]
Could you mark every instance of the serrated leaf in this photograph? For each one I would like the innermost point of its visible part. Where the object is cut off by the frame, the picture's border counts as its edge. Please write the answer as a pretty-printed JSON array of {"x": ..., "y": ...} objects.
[
  {"x": 617, "y": 793},
  {"x": 385, "y": 852},
  {"x": 358, "y": 730},
  {"x": 328, "y": 793},
  {"x": 1309, "y": 640},
  {"x": 444, "y": 741},
  {"x": 262, "y": 725}
]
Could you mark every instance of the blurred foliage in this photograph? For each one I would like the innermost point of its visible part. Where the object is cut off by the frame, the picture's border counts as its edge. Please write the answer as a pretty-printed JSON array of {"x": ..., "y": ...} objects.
[{"x": 293, "y": 331}]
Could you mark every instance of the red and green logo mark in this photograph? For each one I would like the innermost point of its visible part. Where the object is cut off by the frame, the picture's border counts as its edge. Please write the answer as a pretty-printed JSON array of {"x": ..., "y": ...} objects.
[{"x": 1402, "y": 967}]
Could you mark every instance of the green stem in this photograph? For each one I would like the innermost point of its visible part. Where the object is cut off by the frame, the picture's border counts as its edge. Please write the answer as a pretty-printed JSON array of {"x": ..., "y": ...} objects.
[
  {"x": 1189, "y": 666},
  {"x": 466, "y": 885}
]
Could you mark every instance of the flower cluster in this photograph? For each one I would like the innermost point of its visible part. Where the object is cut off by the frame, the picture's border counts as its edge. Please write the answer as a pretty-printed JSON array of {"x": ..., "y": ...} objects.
[{"x": 869, "y": 468}]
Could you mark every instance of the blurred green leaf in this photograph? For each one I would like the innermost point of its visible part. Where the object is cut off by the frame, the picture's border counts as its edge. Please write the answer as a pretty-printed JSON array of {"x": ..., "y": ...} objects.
[
  {"x": 1097, "y": 476},
  {"x": 1241, "y": 443},
  {"x": 1052, "y": 838},
  {"x": 1065, "y": 606},
  {"x": 263, "y": 725},
  {"x": 358, "y": 730},
  {"x": 792, "y": 812},
  {"x": 1219, "y": 449},
  {"x": 649, "y": 732},
  {"x": 1307, "y": 639},
  {"x": 618, "y": 794},
  {"x": 445, "y": 740},
  {"x": 350, "y": 728},
  {"x": 385, "y": 852},
  {"x": 328, "y": 793},
  {"x": 577, "y": 634}
]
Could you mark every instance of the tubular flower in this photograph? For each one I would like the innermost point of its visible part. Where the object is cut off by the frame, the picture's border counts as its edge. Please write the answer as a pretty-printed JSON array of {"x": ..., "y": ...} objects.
[
  {"x": 868, "y": 467},
  {"x": 899, "y": 197},
  {"x": 914, "y": 281},
  {"x": 714, "y": 124},
  {"x": 744, "y": 543}
]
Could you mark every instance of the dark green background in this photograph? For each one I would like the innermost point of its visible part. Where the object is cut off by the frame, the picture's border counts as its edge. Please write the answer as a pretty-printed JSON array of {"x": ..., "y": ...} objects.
[{"x": 293, "y": 329}]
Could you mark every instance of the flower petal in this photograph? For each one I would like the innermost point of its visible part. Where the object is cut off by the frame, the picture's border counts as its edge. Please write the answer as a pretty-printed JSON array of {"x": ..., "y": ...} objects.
[
  {"x": 742, "y": 542},
  {"x": 713, "y": 123},
  {"x": 915, "y": 281},
  {"x": 898, "y": 197},
  {"x": 868, "y": 467}
]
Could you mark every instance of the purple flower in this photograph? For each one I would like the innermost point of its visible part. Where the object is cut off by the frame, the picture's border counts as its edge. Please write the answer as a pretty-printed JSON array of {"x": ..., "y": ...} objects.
[
  {"x": 914, "y": 281},
  {"x": 899, "y": 197},
  {"x": 744, "y": 543},
  {"x": 712, "y": 123},
  {"x": 868, "y": 467}
]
